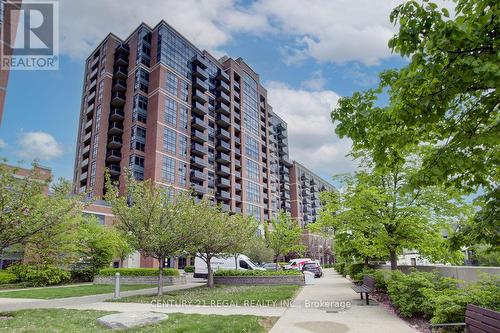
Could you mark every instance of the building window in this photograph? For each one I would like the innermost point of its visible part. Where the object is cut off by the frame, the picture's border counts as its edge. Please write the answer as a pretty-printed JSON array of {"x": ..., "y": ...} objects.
[
  {"x": 172, "y": 83},
  {"x": 98, "y": 118},
  {"x": 183, "y": 146},
  {"x": 100, "y": 90},
  {"x": 92, "y": 174},
  {"x": 253, "y": 211},
  {"x": 211, "y": 131},
  {"x": 253, "y": 192},
  {"x": 211, "y": 180},
  {"x": 211, "y": 156},
  {"x": 252, "y": 147},
  {"x": 252, "y": 168},
  {"x": 183, "y": 117},
  {"x": 184, "y": 92},
  {"x": 141, "y": 80},
  {"x": 250, "y": 105},
  {"x": 168, "y": 169},
  {"x": 169, "y": 138},
  {"x": 182, "y": 174},
  {"x": 96, "y": 146},
  {"x": 170, "y": 113},
  {"x": 141, "y": 102},
  {"x": 137, "y": 166}
]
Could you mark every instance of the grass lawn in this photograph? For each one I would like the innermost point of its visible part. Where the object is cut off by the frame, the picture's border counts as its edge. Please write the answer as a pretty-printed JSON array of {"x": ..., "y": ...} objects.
[
  {"x": 62, "y": 292},
  {"x": 75, "y": 321},
  {"x": 236, "y": 295}
]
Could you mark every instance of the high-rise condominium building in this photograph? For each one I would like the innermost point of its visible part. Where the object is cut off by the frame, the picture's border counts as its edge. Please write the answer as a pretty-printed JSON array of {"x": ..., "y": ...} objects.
[
  {"x": 305, "y": 186},
  {"x": 158, "y": 106}
]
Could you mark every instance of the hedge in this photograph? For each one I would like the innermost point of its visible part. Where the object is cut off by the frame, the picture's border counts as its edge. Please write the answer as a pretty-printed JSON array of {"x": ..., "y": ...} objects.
[
  {"x": 234, "y": 272},
  {"x": 137, "y": 272},
  {"x": 189, "y": 269},
  {"x": 39, "y": 275},
  {"x": 7, "y": 277}
]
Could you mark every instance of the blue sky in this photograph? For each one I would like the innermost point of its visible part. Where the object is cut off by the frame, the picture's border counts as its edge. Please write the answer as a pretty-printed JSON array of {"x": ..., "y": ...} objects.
[{"x": 307, "y": 59}]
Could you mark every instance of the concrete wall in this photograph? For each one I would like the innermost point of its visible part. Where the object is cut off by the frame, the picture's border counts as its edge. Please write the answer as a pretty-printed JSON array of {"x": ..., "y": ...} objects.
[
  {"x": 153, "y": 280},
  {"x": 465, "y": 273},
  {"x": 297, "y": 280}
]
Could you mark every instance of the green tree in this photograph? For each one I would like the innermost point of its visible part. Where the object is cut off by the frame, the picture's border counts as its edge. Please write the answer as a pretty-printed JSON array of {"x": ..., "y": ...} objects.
[
  {"x": 285, "y": 236},
  {"x": 242, "y": 230},
  {"x": 27, "y": 213},
  {"x": 444, "y": 102},
  {"x": 156, "y": 219},
  {"x": 258, "y": 251},
  {"x": 377, "y": 216}
]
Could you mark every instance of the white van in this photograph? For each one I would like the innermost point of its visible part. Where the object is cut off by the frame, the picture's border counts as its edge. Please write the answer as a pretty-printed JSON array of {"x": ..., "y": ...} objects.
[
  {"x": 244, "y": 263},
  {"x": 296, "y": 264}
]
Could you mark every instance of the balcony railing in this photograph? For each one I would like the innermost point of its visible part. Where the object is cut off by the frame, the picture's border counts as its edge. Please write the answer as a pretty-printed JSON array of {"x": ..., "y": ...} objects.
[{"x": 198, "y": 149}]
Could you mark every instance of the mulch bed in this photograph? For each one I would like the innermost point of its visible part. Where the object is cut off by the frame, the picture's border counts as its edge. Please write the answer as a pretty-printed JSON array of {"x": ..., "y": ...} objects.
[{"x": 418, "y": 323}]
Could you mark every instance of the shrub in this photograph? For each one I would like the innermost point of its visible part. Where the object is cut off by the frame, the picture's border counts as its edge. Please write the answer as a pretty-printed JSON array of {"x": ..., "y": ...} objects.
[
  {"x": 137, "y": 272},
  {"x": 189, "y": 269},
  {"x": 40, "y": 275},
  {"x": 83, "y": 275},
  {"x": 234, "y": 272},
  {"x": 355, "y": 271},
  {"x": 7, "y": 277},
  {"x": 340, "y": 268},
  {"x": 449, "y": 307},
  {"x": 412, "y": 293}
]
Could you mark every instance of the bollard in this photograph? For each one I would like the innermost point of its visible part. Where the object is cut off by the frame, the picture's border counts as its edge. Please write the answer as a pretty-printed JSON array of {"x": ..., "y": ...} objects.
[{"x": 117, "y": 285}]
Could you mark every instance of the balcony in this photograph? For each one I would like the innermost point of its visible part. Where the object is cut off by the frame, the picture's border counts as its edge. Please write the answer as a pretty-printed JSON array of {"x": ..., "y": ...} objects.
[
  {"x": 87, "y": 137},
  {"x": 285, "y": 178},
  {"x": 237, "y": 116},
  {"x": 223, "y": 86},
  {"x": 88, "y": 125},
  {"x": 223, "y": 120},
  {"x": 237, "y": 106},
  {"x": 223, "y": 183},
  {"x": 93, "y": 74},
  {"x": 86, "y": 151},
  {"x": 122, "y": 49},
  {"x": 237, "y": 198},
  {"x": 223, "y": 158},
  {"x": 199, "y": 189},
  {"x": 236, "y": 85},
  {"x": 198, "y": 124},
  {"x": 237, "y": 164},
  {"x": 236, "y": 95},
  {"x": 200, "y": 72},
  {"x": 198, "y": 175},
  {"x": 114, "y": 170},
  {"x": 237, "y": 186},
  {"x": 236, "y": 126},
  {"x": 83, "y": 176},
  {"x": 223, "y": 170},
  {"x": 91, "y": 98},
  {"x": 115, "y": 128},
  {"x": 116, "y": 115},
  {"x": 198, "y": 149},
  {"x": 223, "y": 76},
  {"x": 199, "y": 109},
  {"x": 237, "y": 210},
  {"x": 120, "y": 73},
  {"x": 223, "y": 134},
  {"x": 237, "y": 152},
  {"x": 90, "y": 110},
  {"x": 114, "y": 142},
  {"x": 225, "y": 208},
  {"x": 121, "y": 60},
  {"x": 237, "y": 140},
  {"x": 119, "y": 85},
  {"x": 200, "y": 97},
  {"x": 237, "y": 175},
  {"x": 224, "y": 195},
  {"x": 85, "y": 163},
  {"x": 200, "y": 85},
  {"x": 285, "y": 195},
  {"x": 198, "y": 162},
  {"x": 118, "y": 99},
  {"x": 223, "y": 97},
  {"x": 223, "y": 146},
  {"x": 113, "y": 155},
  {"x": 222, "y": 108},
  {"x": 93, "y": 83},
  {"x": 198, "y": 136},
  {"x": 198, "y": 60}
]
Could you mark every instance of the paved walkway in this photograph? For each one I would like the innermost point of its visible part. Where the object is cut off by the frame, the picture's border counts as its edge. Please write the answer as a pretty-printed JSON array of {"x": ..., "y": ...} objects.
[
  {"x": 331, "y": 306},
  {"x": 12, "y": 304}
]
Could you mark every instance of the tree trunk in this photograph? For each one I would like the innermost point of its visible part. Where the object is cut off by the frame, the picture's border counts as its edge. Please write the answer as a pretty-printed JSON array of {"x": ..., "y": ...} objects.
[
  {"x": 277, "y": 265},
  {"x": 394, "y": 259},
  {"x": 210, "y": 275},
  {"x": 236, "y": 261},
  {"x": 366, "y": 262},
  {"x": 160, "y": 276},
  {"x": 121, "y": 262}
]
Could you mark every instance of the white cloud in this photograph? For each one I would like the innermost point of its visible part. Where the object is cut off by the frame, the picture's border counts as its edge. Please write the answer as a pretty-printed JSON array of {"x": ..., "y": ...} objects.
[
  {"x": 208, "y": 24},
  {"x": 316, "y": 82},
  {"x": 311, "y": 136},
  {"x": 39, "y": 145},
  {"x": 3, "y": 144}
]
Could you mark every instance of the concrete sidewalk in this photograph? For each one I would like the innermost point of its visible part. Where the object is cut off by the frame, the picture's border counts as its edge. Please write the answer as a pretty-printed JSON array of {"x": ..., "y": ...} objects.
[
  {"x": 13, "y": 304},
  {"x": 331, "y": 306}
]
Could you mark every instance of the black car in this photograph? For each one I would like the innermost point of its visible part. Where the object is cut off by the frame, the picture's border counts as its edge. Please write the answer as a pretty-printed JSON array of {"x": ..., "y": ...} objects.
[{"x": 313, "y": 267}]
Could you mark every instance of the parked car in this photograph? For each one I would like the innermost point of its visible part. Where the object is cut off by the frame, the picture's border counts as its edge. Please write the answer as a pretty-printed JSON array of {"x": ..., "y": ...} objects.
[
  {"x": 269, "y": 266},
  {"x": 296, "y": 264},
  {"x": 200, "y": 267},
  {"x": 313, "y": 267}
]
